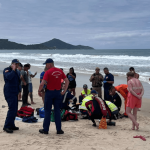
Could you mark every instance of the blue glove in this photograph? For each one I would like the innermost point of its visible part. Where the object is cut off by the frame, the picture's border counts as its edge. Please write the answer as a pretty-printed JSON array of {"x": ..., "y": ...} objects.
[{"x": 104, "y": 81}]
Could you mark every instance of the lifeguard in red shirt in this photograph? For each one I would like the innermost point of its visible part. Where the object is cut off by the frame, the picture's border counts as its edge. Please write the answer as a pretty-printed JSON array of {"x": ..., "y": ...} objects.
[
  {"x": 122, "y": 89},
  {"x": 53, "y": 94}
]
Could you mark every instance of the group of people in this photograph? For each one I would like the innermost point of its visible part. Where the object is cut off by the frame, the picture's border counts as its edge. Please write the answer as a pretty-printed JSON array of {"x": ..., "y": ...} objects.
[
  {"x": 17, "y": 80},
  {"x": 58, "y": 89},
  {"x": 26, "y": 83},
  {"x": 132, "y": 92},
  {"x": 25, "y": 86}
]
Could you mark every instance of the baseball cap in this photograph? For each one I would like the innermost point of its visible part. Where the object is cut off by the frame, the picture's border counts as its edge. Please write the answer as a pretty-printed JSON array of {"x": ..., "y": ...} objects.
[
  {"x": 15, "y": 61},
  {"x": 49, "y": 60},
  {"x": 85, "y": 86},
  {"x": 93, "y": 91}
]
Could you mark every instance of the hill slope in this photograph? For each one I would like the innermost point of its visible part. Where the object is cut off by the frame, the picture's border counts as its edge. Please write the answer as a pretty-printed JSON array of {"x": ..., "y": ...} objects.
[
  {"x": 63, "y": 45},
  {"x": 52, "y": 44}
]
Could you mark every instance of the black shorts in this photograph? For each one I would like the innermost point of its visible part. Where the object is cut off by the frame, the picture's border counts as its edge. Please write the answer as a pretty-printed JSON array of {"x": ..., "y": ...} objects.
[{"x": 72, "y": 85}]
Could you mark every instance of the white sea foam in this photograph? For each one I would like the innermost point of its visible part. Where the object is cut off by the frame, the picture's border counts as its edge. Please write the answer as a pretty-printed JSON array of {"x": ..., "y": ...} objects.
[{"x": 118, "y": 64}]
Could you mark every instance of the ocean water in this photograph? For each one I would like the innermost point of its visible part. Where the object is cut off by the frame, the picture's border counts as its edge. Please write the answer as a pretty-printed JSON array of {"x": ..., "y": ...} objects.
[{"x": 85, "y": 61}]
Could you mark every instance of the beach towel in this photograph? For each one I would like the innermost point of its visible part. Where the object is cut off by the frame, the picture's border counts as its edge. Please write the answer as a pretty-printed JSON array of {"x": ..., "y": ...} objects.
[{"x": 30, "y": 119}]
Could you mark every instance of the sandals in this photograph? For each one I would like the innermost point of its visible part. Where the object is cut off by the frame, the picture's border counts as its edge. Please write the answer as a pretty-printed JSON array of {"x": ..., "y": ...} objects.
[{"x": 141, "y": 137}]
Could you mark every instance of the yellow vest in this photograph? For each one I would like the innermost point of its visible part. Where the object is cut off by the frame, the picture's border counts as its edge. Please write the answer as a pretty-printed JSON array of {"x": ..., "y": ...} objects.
[
  {"x": 111, "y": 106},
  {"x": 86, "y": 99},
  {"x": 88, "y": 92}
]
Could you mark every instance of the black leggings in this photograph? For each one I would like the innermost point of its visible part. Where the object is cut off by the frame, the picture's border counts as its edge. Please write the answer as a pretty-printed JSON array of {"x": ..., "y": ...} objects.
[
  {"x": 80, "y": 98},
  {"x": 95, "y": 117},
  {"x": 25, "y": 93}
]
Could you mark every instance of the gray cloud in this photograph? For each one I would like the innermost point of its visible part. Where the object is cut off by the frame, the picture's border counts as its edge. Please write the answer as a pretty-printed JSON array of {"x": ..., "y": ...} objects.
[{"x": 101, "y": 24}]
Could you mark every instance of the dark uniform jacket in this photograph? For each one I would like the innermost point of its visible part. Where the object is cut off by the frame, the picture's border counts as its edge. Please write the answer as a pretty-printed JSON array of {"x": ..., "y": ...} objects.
[
  {"x": 12, "y": 82},
  {"x": 65, "y": 99}
]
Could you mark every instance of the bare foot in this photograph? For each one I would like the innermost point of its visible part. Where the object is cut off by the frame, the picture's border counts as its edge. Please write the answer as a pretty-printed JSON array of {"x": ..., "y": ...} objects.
[
  {"x": 33, "y": 103},
  {"x": 133, "y": 127},
  {"x": 137, "y": 126}
]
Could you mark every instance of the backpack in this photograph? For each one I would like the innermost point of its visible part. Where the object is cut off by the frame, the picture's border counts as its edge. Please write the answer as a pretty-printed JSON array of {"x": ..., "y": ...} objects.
[
  {"x": 26, "y": 111},
  {"x": 69, "y": 116},
  {"x": 53, "y": 117},
  {"x": 42, "y": 112}
]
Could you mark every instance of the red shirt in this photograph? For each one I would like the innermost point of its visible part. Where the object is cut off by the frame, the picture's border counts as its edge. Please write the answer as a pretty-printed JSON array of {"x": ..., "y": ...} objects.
[{"x": 53, "y": 77}]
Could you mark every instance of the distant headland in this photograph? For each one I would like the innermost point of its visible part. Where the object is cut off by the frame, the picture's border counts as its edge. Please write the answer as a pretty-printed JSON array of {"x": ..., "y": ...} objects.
[{"x": 52, "y": 44}]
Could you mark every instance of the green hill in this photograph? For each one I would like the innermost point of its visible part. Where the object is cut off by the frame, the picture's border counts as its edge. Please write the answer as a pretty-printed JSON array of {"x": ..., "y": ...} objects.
[
  {"x": 58, "y": 44},
  {"x": 52, "y": 44}
]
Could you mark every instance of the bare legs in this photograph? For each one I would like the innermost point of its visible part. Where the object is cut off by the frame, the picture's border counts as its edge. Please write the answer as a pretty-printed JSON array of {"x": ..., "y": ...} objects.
[
  {"x": 133, "y": 117},
  {"x": 43, "y": 96},
  {"x": 31, "y": 97}
]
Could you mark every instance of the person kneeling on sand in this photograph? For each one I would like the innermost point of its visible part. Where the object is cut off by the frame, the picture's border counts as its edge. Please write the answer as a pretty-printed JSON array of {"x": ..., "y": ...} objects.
[
  {"x": 122, "y": 89},
  {"x": 134, "y": 102},
  {"x": 85, "y": 92},
  {"x": 113, "y": 109},
  {"x": 83, "y": 108},
  {"x": 95, "y": 111},
  {"x": 115, "y": 98},
  {"x": 66, "y": 98}
]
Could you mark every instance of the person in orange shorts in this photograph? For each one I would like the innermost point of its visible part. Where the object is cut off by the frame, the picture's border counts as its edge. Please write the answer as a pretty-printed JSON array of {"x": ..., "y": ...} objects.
[
  {"x": 134, "y": 102},
  {"x": 122, "y": 89}
]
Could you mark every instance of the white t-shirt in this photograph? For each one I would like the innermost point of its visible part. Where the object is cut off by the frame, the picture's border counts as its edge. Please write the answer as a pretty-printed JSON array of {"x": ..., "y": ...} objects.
[{"x": 29, "y": 77}]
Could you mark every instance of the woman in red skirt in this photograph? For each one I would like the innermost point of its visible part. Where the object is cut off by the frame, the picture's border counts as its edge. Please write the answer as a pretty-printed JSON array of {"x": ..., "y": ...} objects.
[{"x": 134, "y": 99}]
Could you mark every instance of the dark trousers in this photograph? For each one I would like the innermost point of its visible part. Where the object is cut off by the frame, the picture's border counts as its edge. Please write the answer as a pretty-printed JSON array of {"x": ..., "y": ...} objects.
[
  {"x": 52, "y": 97},
  {"x": 95, "y": 117},
  {"x": 80, "y": 98},
  {"x": 12, "y": 101},
  {"x": 84, "y": 112},
  {"x": 75, "y": 101},
  {"x": 25, "y": 93},
  {"x": 106, "y": 94}
]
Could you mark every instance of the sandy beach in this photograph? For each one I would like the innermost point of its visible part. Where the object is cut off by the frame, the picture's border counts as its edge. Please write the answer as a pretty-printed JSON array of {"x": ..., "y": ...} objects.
[{"x": 78, "y": 135}]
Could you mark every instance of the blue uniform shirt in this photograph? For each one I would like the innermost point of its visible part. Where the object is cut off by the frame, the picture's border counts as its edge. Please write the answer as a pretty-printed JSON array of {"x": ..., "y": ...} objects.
[
  {"x": 12, "y": 81},
  {"x": 108, "y": 77},
  {"x": 41, "y": 77}
]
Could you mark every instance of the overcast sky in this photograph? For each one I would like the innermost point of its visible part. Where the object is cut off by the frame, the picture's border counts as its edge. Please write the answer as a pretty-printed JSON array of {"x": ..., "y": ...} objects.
[{"x": 102, "y": 24}]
